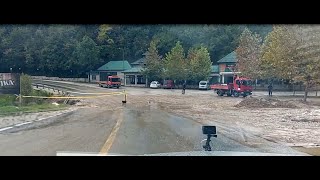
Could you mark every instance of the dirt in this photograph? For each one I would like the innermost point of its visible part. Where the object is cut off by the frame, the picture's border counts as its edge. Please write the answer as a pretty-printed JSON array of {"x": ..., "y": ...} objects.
[
  {"x": 252, "y": 102},
  {"x": 312, "y": 151},
  {"x": 290, "y": 122},
  {"x": 287, "y": 121}
]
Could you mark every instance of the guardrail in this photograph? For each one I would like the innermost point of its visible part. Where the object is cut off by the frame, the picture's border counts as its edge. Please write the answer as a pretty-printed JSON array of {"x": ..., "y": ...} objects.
[
  {"x": 60, "y": 79},
  {"x": 67, "y": 96},
  {"x": 43, "y": 86}
]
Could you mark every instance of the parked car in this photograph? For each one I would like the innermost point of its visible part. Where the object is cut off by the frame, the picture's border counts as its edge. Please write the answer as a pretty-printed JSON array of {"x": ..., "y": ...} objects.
[
  {"x": 168, "y": 84},
  {"x": 155, "y": 84},
  {"x": 204, "y": 85}
]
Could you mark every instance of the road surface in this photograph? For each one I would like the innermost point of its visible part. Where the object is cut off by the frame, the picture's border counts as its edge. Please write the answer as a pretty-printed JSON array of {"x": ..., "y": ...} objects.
[{"x": 123, "y": 130}]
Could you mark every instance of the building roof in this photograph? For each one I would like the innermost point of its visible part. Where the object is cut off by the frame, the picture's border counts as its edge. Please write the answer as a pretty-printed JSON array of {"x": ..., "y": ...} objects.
[
  {"x": 115, "y": 66},
  {"x": 139, "y": 61},
  {"x": 230, "y": 58},
  {"x": 215, "y": 69},
  {"x": 134, "y": 70}
]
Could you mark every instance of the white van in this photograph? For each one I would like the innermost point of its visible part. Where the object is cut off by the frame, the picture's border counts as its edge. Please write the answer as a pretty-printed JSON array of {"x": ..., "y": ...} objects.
[{"x": 204, "y": 85}]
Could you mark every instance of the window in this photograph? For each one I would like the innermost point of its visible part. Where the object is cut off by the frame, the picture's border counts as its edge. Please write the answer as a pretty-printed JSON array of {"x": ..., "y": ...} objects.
[
  {"x": 238, "y": 82},
  {"x": 247, "y": 83},
  {"x": 93, "y": 77},
  {"x": 115, "y": 79}
]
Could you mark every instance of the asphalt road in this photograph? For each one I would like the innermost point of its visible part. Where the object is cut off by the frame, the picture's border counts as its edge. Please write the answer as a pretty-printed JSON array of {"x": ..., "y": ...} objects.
[
  {"x": 126, "y": 130},
  {"x": 141, "y": 132}
]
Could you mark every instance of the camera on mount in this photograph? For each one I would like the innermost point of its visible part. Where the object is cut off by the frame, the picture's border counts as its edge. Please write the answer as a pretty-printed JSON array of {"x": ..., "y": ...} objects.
[{"x": 209, "y": 130}]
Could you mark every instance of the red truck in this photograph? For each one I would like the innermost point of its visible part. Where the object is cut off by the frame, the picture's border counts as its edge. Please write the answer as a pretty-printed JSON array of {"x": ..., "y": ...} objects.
[
  {"x": 239, "y": 86},
  {"x": 112, "y": 81}
]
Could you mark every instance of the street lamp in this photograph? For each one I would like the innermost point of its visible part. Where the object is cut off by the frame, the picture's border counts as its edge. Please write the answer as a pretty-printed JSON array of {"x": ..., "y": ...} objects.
[
  {"x": 123, "y": 63},
  {"x": 122, "y": 57}
]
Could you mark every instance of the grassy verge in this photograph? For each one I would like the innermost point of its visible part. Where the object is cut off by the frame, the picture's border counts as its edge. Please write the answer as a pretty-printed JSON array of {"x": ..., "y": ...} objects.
[
  {"x": 12, "y": 110},
  {"x": 9, "y": 104}
]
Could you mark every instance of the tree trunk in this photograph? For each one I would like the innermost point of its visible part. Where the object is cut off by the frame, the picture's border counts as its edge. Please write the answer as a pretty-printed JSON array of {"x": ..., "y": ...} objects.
[
  {"x": 294, "y": 92},
  {"x": 255, "y": 85},
  {"x": 305, "y": 93}
]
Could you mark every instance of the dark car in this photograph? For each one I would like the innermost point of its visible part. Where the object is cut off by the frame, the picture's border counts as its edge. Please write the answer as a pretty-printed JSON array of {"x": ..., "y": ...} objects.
[{"x": 168, "y": 84}]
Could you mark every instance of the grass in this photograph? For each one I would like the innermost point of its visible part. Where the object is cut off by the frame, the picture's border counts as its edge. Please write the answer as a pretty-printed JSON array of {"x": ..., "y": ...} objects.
[
  {"x": 9, "y": 104},
  {"x": 11, "y": 110},
  {"x": 7, "y": 100}
]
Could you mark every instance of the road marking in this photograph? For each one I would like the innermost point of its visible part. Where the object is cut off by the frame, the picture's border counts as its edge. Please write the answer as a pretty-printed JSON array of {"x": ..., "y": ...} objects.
[
  {"x": 29, "y": 122},
  {"x": 6, "y": 128},
  {"x": 107, "y": 145},
  {"x": 17, "y": 125}
]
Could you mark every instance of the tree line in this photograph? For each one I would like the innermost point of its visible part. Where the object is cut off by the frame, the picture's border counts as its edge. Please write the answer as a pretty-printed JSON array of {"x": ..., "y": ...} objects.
[
  {"x": 73, "y": 50},
  {"x": 288, "y": 52},
  {"x": 176, "y": 65}
]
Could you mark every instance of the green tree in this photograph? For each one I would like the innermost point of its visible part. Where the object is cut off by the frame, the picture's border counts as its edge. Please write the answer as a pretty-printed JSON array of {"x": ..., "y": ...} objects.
[
  {"x": 248, "y": 54},
  {"x": 87, "y": 54},
  {"x": 154, "y": 64},
  {"x": 175, "y": 63},
  {"x": 199, "y": 64}
]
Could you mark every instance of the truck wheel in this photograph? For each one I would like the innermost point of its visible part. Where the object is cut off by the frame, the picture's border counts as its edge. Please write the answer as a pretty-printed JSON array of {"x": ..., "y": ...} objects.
[
  {"x": 236, "y": 94},
  {"x": 117, "y": 87},
  {"x": 220, "y": 93}
]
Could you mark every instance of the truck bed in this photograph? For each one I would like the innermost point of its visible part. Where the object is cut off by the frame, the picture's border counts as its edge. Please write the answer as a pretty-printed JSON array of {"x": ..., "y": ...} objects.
[{"x": 219, "y": 86}]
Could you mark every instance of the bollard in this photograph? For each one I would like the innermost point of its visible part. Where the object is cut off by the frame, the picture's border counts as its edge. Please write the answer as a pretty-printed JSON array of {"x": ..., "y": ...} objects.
[{"x": 125, "y": 97}]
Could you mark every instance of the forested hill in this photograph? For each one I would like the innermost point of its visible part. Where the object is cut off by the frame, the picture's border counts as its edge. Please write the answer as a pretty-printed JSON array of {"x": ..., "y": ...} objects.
[{"x": 72, "y": 50}]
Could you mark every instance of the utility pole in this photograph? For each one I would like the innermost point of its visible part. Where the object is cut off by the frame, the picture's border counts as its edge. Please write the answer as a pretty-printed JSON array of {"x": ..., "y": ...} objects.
[{"x": 123, "y": 58}]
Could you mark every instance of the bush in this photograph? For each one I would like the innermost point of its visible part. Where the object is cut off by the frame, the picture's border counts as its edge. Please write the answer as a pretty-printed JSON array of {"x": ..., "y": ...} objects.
[
  {"x": 39, "y": 93},
  {"x": 26, "y": 85},
  {"x": 26, "y": 88}
]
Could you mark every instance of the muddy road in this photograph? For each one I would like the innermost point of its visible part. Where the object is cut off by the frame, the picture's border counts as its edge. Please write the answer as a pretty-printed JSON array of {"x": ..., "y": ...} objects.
[{"x": 152, "y": 121}]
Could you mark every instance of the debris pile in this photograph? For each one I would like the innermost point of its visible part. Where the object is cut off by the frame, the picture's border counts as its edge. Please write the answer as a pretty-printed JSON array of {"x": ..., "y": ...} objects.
[{"x": 265, "y": 103}]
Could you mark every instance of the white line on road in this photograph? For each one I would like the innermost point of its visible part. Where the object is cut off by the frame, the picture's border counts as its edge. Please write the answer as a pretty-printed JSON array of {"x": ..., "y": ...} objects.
[
  {"x": 6, "y": 128},
  {"x": 17, "y": 125},
  {"x": 29, "y": 122}
]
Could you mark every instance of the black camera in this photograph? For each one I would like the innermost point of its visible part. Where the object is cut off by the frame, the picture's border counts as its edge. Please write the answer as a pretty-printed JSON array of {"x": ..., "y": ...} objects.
[{"x": 209, "y": 130}]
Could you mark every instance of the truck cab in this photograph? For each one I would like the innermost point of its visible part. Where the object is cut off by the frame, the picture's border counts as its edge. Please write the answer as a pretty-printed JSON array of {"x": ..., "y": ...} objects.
[
  {"x": 242, "y": 86},
  {"x": 112, "y": 81}
]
